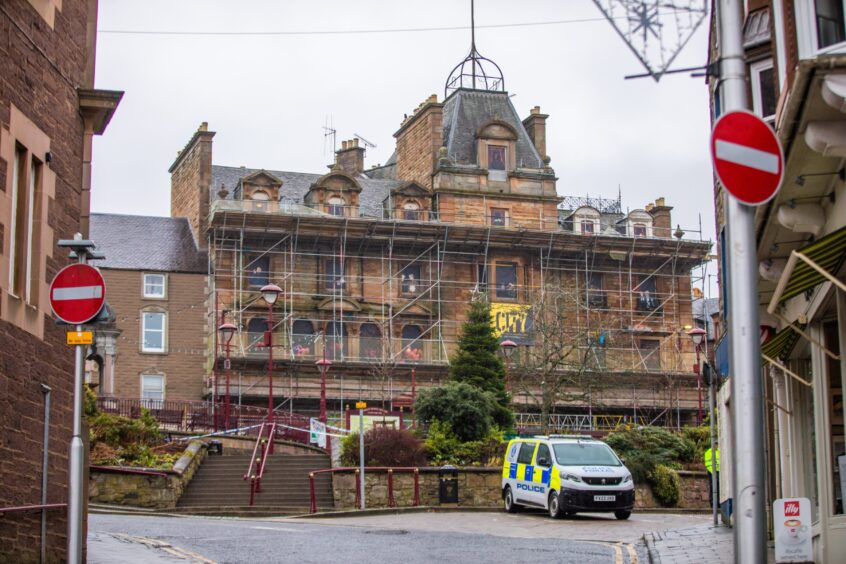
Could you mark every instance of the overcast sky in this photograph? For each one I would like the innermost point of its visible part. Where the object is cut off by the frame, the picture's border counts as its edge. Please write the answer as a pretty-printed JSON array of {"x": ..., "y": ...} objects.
[{"x": 268, "y": 96}]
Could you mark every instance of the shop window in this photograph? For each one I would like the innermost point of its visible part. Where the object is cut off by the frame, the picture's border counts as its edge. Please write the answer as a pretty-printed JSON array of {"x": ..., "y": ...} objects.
[
  {"x": 412, "y": 345},
  {"x": 258, "y": 271},
  {"x": 650, "y": 353},
  {"x": 499, "y": 217},
  {"x": 506, "y": 280},
  {"x": 370, "y": 341},
  {"x": 302, "y": 339},
  {"x": 410, "y": 279},
  {"x": 837, "y": 414},
  {"x": 334, "y": 279},
  {"x": 154, "y": 286},
  {"x": 153, "y": 329}
]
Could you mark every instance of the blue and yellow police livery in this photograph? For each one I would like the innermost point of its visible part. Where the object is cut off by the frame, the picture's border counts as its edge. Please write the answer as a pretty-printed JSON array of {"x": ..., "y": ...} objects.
[{"x": 566, "y": 474}]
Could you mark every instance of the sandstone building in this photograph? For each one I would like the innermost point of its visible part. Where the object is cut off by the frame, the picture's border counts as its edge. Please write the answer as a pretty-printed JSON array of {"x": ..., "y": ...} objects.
[
  {"x": 377, "y": 267},
  {"x": 49, "y": 113}
]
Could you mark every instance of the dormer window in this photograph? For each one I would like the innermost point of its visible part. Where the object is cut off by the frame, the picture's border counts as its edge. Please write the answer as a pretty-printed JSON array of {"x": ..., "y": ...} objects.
[
  {"x": 411, "y": 211},
  {"x": 335, "y": 206},
  {"x": 260, "y": 200},
  {"x": 496, "y": 162},
  {"x": 639, "y": 230},
  {"x": 586, "y": 220}
]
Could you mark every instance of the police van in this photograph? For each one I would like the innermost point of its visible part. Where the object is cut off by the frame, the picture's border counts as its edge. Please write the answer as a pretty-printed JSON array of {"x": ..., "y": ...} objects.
[{"x": 566, "y": 474}]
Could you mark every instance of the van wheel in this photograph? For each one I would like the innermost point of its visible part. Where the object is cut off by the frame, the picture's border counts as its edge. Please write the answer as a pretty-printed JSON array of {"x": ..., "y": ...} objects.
[
  {"x": 554, "y": 506},
  {"x": 622, "y": 514},
  {"x": 508, "y": 500}
]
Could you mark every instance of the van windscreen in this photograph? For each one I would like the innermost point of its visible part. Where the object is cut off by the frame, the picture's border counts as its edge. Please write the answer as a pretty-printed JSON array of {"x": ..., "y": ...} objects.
[{"x": 584, "y": 454}]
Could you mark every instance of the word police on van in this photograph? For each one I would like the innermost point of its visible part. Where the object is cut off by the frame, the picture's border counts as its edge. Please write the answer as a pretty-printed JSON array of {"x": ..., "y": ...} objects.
[{"x": 565, "y": 474}]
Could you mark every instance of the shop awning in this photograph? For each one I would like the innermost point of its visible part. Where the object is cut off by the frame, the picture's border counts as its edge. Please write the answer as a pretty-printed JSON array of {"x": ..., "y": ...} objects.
[
  {"x": 781, "y": 345},
  {"x": 811, "y": 266}
]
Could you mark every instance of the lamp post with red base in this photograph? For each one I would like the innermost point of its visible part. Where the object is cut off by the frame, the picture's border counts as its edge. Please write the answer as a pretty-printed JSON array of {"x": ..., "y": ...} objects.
[
  {"x": 227, "y": 330},
  {"x": 508, "y": 347},
  {"x": 324, "y": 365},
  {"x": 697, "y": 334},
  {"x": 270, "y": 293}
]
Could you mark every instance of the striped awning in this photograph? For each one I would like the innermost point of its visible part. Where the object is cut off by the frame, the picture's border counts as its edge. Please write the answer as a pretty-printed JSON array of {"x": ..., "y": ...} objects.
[
  {"x": 781, "y": 345},
  {"x": 812, "y": 265}
]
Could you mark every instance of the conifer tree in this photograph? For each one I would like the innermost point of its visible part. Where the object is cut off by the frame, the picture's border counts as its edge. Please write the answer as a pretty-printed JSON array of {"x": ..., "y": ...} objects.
[{"x": 477, "y": 361}]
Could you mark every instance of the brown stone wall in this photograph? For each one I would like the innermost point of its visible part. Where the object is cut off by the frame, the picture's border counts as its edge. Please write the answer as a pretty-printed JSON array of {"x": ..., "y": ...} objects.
[
  {"x": 190, "y": 182},
  {"x": 476, "y": 210},
  {"x": 183, "y": 363},
  {"x": 418, "y": 141},
  {"x": 44, "y": 57}
]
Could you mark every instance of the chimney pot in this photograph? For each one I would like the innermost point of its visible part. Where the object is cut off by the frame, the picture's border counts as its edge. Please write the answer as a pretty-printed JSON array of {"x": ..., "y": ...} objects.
[
  {"x": 204, "y": 126},
  {"x": 535, "y": 110},
  {"x": 660, "y": 202},
  {"x": 343, "y": 145}
]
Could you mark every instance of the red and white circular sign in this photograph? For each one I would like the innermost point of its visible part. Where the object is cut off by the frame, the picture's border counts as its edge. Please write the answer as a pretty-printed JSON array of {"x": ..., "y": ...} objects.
[
  {"x": 747, "y": 156},
  {"x": 77, "y": 294}
]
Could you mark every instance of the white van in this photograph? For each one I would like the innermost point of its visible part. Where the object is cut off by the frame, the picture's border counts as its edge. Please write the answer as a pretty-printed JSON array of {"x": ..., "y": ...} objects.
[{"x": 566, "y": 474}]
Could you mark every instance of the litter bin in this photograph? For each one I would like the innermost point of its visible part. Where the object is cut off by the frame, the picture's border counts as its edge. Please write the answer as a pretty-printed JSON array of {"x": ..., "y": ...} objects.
[
  {"x": 448, "y": 484},
  {"x": 215, "y": 447}
]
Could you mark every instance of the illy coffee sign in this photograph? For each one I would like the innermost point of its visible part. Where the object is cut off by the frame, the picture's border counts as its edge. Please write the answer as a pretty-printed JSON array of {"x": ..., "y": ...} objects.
[{"x": 792, "y": 528}]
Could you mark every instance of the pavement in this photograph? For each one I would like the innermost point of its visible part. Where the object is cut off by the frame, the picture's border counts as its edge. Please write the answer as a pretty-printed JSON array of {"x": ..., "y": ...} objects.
[{"x": 689, "y": 545}]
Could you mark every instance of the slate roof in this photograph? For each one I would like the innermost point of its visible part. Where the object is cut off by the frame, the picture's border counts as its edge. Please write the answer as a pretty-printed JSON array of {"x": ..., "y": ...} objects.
[
  {"x": 466, "y": 111},
  {"x": 295, "y": 185},
  {"x": 136, "y": 242}
]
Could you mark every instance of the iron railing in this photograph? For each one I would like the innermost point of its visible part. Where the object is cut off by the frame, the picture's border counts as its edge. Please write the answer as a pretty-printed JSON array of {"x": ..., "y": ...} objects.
[{"x": 264, "y": 444}]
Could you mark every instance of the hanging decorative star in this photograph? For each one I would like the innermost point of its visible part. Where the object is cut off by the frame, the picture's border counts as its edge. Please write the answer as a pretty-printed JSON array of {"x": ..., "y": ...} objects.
[{"x": 655, "y": 30}]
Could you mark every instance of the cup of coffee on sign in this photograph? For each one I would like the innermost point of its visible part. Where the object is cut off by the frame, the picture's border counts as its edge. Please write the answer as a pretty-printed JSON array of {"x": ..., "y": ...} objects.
[{"x": 794, "y": 527}]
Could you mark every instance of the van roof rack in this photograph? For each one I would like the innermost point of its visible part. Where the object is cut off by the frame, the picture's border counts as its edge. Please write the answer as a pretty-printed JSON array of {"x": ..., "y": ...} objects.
[{"x": 588, "y": 437}]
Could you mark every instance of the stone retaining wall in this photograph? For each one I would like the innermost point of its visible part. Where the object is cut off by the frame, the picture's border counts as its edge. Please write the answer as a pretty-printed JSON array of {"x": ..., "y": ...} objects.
[
  {"x": 480, "y": 487},
  {"x": 121, "y": 486}
]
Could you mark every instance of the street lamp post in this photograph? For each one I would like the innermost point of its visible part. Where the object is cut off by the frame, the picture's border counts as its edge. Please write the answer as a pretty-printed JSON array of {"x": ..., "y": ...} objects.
[
  {"x": 508, "y": 347},
  {"x": 324, "y": 364},
  {"x": 696, "y": 335},
  {"x": 270, "y": 293},
  {"x": 227, "y": 330}
]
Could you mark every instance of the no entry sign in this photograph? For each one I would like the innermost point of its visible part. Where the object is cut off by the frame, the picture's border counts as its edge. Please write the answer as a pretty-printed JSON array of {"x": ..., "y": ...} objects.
[
  {"x": 747, "y": 156},
  {"x": 77, "y": 294}
]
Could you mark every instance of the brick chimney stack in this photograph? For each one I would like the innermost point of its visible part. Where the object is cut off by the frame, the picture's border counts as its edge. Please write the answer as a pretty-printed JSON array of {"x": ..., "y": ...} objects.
[
  {"x": 661, "y": 221},
  {"x": 419, "y": 140},
  {"x": 535, "y": 124},
  {"x": 350, "y": 157}
]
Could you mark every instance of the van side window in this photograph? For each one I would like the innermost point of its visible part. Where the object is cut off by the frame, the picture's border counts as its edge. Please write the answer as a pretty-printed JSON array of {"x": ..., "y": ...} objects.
[
  {"x": 543, "y": 452},
  {"x": 526, "y": 452}
]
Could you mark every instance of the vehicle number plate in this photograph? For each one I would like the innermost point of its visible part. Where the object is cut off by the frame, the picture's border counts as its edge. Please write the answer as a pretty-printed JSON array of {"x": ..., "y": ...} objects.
[{"x": 604, "y": 498}]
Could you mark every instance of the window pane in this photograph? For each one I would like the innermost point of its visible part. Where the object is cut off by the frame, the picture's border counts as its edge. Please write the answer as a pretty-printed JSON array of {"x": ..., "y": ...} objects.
[
  {"x": 830, "y": 24},
  {"x": 647, "y": 294},
  {"x": 482, "y": 278},
  {"x": 152, "y": 387},
  {"x": 412, "y": 344},
  {"x": 526, "y": 452},
  {"x": 650, "y": 353},
  {"x": 334, "y": 274},
  {"x": 496, "y": 158},
  {"x": 153, "y": 332},
  {"x": 302, "y": 338},
  {"x": 258, "y": 271},
  {"x": 766, "y": 81},
  {"x": 370, "y": 341},
  {"x": 410, "y": 279},
  {"x": 153, "y": 285},
  {"x": 499, "y": 217},
  {"x": 506, "y": 280}
]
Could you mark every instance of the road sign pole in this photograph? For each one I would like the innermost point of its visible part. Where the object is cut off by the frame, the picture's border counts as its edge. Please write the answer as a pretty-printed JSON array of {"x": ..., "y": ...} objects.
[
  {"x": 361, "y": 456},
  {"x": 744, "y": 342},
  {"x": 76, "y": 472}
]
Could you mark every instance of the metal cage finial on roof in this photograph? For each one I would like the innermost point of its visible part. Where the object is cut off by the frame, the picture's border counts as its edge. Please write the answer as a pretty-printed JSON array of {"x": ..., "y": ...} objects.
[{"x": 475, "y": 72}]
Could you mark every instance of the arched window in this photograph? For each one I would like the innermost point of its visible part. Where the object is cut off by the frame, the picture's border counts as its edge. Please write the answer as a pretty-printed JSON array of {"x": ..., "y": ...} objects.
[
  {"x": 411, "y": 211},
  {"x": 259, "y": 196},
  {"x": 335, "y": 206},
  {"x": 336, "y": 340},
  {"x": 370, "y": 341},
  {"x": 302, "y": 338},
  {"x": 412, "y": 345}
]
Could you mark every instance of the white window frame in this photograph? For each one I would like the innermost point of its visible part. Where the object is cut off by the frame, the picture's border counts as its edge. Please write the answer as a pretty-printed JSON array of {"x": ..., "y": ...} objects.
[
  {"x": 755, "y": 70},
  {"x": 144, "y": 347},
  {"x": 162, "y": 378},
  {"x": 20, "y": 156},
  {"x": 806, "y": 31},
  {"x": 161, "y": 296}
]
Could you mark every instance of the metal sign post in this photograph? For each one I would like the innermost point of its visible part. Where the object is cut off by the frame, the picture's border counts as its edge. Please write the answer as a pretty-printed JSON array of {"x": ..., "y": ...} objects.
[
  {"x": 74, "y": 301},
  {"x": 361, "y": 407},
  {"x": 750, "y": 546}
]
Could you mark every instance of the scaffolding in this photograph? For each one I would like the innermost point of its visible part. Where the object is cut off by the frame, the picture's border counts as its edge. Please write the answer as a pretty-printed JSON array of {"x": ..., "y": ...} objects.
[{"x": 380, "y": 297}]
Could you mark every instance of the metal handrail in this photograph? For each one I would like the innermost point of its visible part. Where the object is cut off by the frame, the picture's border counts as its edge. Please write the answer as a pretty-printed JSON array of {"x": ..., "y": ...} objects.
[
  {"x": 27, "y": 508},
  {"x": 264, "y": 443},
  {"x": 389, "y": 469}
]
